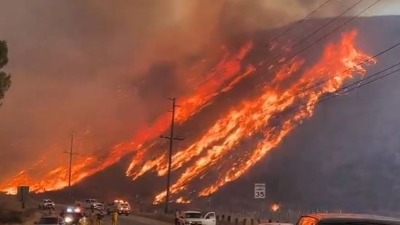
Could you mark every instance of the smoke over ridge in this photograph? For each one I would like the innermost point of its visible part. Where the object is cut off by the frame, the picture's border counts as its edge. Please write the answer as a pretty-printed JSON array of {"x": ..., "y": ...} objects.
[{"x": 103, "y": 70}]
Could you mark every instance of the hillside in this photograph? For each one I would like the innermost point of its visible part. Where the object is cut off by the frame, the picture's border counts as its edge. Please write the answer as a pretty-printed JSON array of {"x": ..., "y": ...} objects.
[{"x": 344, "y": 157}]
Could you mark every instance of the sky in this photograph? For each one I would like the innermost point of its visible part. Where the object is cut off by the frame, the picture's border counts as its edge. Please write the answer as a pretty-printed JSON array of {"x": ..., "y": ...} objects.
[{"x": 103, "y": 69}]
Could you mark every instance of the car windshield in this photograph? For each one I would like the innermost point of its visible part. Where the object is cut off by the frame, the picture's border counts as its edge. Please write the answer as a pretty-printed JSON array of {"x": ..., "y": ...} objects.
[
  {"x": 125, "y": 205},
  {"x": 193, "y": 215},
  {"x": 47, "y": 201},
  {"x": 48, "y": 220}
]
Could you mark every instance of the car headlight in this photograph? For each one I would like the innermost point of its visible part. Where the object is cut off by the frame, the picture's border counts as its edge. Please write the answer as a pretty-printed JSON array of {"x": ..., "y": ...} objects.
[{"x": 68, "y": 219}]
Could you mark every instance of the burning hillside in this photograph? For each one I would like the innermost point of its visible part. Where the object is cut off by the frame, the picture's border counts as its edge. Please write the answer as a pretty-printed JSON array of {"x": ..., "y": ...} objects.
[
  {"x": 239, "y": 95},
  {"x": 240, "y": 137}
]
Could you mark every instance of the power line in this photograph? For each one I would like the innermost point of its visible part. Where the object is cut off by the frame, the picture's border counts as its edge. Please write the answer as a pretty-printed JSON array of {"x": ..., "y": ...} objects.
[
  {"x": 288, "y": 29},
  {"x": 326, "y": 24},
  {"x": 315, "y": 31},
  {"x": 351, "y": 87},
  {"x": 334, "y": 30},
  {"x": 359, "y": 84},
  {"x": 298, "y": 22},
  {"x": 367, "y": 60}
]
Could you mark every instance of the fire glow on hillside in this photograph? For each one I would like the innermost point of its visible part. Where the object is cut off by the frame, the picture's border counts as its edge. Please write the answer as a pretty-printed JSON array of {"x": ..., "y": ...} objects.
[{"x": 260, "y": 123}]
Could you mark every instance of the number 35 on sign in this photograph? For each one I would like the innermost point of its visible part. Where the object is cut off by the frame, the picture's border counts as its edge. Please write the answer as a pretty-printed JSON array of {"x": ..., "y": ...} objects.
[{"x": 259, "y": 190}]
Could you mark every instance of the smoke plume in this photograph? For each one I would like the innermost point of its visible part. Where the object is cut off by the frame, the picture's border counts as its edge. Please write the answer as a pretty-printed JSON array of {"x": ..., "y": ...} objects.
[{"x": 103, "y": 69}]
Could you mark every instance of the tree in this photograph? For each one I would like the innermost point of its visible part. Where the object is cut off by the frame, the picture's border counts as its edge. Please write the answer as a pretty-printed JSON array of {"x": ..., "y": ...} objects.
[{"x": 5, "y": 79}]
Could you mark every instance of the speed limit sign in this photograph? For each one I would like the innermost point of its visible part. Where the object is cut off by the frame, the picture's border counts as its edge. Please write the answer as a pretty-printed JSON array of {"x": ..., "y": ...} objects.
[{"x": 259, "y": 190}]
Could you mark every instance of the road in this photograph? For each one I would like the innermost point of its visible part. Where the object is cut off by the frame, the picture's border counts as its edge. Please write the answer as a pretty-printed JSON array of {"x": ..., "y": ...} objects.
[
  {"x": 124, "y": 220},
  {"x": 135, "y": 220}
]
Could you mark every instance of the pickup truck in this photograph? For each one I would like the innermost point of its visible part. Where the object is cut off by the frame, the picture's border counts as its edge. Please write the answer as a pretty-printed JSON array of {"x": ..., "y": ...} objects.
[
  {"x": 196, "y": 218},
  {"x": 90, "y": 203},
  {"x": 119, "y": 206},
  {"x": 47, "y": 204}
]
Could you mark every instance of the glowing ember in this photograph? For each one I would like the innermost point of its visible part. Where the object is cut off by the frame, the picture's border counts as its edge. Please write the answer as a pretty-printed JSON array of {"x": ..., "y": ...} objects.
[{"x": 275, "y": 207}]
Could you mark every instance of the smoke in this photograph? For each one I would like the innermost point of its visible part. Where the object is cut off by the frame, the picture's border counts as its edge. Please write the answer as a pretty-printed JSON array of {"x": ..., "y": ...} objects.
[{"x": 102, "y": 69}]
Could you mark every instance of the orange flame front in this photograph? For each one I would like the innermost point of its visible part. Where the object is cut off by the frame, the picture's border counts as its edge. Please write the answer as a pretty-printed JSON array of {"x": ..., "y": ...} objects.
[
  {"x": 264, "y": 121},
  {"x": 228, "y": 72},
  {"x": 236, "y": 140}
]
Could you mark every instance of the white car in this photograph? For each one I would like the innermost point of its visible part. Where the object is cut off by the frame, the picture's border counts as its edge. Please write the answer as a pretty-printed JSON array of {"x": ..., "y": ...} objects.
[
  {"x": 196, "y": 218},
  {"x": 50, "y": 220},
  {"x": 47, "y": 204},
  {"x": 89, "y": 203}
]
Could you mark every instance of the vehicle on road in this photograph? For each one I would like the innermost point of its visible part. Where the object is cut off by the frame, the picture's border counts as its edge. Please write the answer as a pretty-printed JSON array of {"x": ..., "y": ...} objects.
[
  {"x": 346, "y": 219},
  {"x": 120, "y": 206},
  {"x": 71, "y": 215},
  {"x": 90, "y": 203},
  {"x": 47, "y": 204},
  {"x": 50, "y": 220},
  {"x": 196, "y": 218}
]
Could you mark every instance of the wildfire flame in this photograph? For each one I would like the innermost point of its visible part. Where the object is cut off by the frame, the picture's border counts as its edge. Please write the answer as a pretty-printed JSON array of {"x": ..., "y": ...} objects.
[
  {"x": 236, "y": 140},
  {"x": 221, "y": 78},
  {"x": 269, "y": 118}
]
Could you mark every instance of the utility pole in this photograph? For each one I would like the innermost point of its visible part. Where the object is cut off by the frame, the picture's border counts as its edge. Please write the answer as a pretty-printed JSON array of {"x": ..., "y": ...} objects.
[
  {"x": 171, "y": 138},
  {"x": 71, "y": 153},
  {"x": 70, "y": 160}
]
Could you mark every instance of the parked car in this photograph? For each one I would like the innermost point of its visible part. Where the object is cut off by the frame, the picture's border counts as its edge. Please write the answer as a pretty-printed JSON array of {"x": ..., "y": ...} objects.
[
  {"x": 90, "y": 203},
  {"x": 196, "y": 218},
  {"x": 47, "y": 204}
]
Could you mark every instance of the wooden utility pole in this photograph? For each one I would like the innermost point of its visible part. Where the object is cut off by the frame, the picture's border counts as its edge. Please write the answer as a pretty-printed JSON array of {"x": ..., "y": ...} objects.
[
  {"x": 171, "y": 138},
  {"x": 70, "y": 153},
  {"x": 70, "y": 160}
]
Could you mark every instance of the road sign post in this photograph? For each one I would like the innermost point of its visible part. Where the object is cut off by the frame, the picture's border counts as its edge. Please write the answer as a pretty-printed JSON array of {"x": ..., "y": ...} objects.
[
  {"x": 259, "y": 190},
  {"x": 22, "y": 196}
]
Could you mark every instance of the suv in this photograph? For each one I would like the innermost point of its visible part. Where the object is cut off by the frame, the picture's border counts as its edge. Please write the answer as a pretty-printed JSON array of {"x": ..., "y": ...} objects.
[
  {"x": 47, "y": 204},
  {"x": 90, "y": 203},
  {"x": 119, "y": 206}
]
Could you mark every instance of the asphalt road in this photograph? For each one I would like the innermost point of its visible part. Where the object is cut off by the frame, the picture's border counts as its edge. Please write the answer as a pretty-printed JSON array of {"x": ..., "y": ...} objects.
[
  {"x": 124, "y": 220},
  {"x": 135, "y": 220}
]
